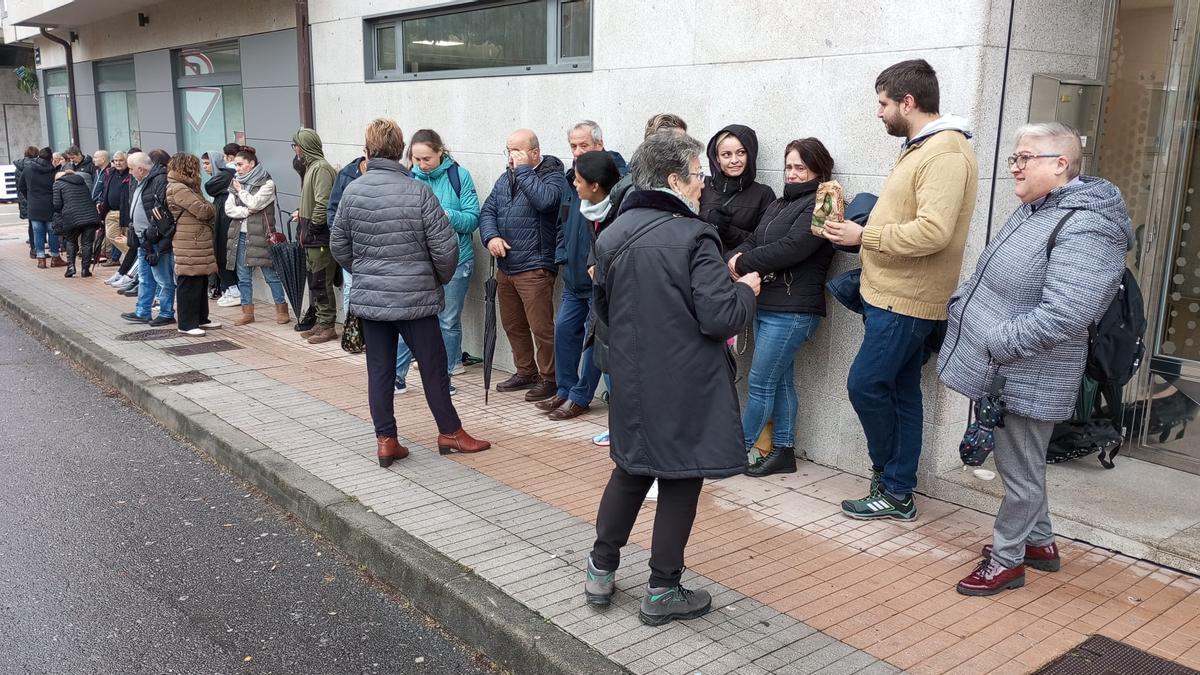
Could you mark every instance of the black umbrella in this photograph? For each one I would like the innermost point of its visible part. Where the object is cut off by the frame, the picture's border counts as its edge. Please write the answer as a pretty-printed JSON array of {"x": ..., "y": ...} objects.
[
  {"x": 980, "y": 439},
  {"x": 489, "y": 330},
  {"x": 287, "y": 258}
]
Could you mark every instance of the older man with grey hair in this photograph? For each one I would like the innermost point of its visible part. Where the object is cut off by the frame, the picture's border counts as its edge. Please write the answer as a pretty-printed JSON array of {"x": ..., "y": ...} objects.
[
  {"x": 153, "y": 234},
  {"x": 1023, "y": 316},
  {"x": 662, "y": 287}
]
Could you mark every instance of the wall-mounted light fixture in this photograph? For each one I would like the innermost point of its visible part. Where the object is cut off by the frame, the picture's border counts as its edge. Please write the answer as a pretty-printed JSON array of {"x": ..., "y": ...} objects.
[{"x": 143, "y": 20}]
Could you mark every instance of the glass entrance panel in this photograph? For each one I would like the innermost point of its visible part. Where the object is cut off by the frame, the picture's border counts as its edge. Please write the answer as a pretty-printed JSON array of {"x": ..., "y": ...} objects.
[{"x": 210, "y": 118}]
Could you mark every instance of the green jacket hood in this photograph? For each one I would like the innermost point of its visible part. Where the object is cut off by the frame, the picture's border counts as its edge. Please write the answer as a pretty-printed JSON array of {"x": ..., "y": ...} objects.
[{"x": 310, "y": 143}]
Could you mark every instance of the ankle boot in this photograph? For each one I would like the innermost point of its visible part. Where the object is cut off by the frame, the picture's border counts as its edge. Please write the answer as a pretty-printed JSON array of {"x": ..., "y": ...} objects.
[
  {"x": 247, "y": 316},
  {"x": 57, "y": 261},
  {"x": 41, "y": 263},
  {"x": 70, "y": 269},
  {"x": 282, "y": 316},
  {"x": 460, "y": 441},
  {"x": 781, "y": 460},
  {"x": 388, "y": 450},
  {"x": 87, "y": 270}
]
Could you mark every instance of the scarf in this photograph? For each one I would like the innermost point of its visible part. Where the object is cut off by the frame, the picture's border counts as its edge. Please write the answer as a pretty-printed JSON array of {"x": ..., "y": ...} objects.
[
  {"x": 254, "y": 177},
  {"x": 692, "y": 206},
  {"x": 595, "y": 212}
]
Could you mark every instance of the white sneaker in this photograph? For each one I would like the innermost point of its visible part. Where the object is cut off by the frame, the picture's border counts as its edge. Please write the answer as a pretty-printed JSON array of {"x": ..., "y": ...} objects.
[
  {"x": 115, "y": 277},
  {"x": 231, "y": 298},
  {"x": 458, "y": 369},
  {"x": 652, "y": 495},
  {"x": 193, "y": 332},
  {"x": 209, "y": 325},
  {"x": 122, "y": 283}
]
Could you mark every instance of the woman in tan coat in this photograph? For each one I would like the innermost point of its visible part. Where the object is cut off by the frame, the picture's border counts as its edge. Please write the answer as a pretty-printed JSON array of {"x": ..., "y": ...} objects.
[{"x": 194, "y": 257}]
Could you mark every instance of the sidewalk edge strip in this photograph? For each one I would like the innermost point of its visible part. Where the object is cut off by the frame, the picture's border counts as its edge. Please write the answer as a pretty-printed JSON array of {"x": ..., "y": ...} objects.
[{"x": 513, "y": 635}]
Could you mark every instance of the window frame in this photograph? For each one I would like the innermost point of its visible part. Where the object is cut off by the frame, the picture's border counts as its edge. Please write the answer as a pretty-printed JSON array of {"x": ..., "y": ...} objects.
[
  {"x": 127, "y": 87},
  {"x": 554, "y": 62},
  {"x": 51, "y": 94}
]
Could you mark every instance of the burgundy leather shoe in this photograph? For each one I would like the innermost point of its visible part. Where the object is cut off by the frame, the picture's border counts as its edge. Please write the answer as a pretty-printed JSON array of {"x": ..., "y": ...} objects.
[
  {"x": 1044, "y": 558},
  {"x": 389, "y": 450},
  {"x": 990, "y": 578},
  {"x": 460, "y": 441},
  {"x": 549, "y": 404},
  {"x": 569, "y": 410}
]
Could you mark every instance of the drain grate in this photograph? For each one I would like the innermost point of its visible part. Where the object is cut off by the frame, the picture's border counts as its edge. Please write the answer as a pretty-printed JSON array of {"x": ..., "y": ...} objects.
[
  {"x": 201, "y": 348},
  {"x": 141, "y": 335},
  {"x": 186, "y": 377},
  {"x": 1099, "y": 654}
]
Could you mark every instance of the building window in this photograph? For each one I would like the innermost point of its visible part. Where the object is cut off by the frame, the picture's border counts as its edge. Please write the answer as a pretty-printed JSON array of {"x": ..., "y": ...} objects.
[
  {"x": 58, "y": 110},
  {"x": 117, "y": 99},
  {"x": 482, "y": 39},
  {"x": 209, "y": 82}
]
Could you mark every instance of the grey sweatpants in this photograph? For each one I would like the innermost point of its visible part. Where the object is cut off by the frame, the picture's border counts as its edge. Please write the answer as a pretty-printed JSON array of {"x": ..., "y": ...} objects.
[{"x": 1024, "y": 515}]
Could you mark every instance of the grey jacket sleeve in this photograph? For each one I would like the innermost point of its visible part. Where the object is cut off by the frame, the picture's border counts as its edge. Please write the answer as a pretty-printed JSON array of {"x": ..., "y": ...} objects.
[
  {"x": 440, "y": 237},
  {"x": 339, "y": 240},
  {"x": 1082, "y": 276}
]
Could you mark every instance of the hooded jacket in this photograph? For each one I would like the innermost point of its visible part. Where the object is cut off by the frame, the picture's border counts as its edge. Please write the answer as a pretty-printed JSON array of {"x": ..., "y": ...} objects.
[
  {"x": 86, "y": 165},
  {"x": 22, "y": 203},
  {"x": 393, "y": 236},
  {"x": 193, "y": 240},
  {"x": 734, "y": 205},
  {"x": 72, "y": 201},
  {"x": 462, "y": 207},
  {"x": 1025, "y": 315},
  {"x": 523, "y": 210},
  {"x": 665, "y": 294},
  {"x": 38, "y": 179},
  {"x": 315, "y": 188},
  {"x": 912, "y": 246},
  {"x": 347, "y": 175},
  {"x": 217, "y": 188},
  {"x": 576, "y": 235},
  {"x": 785, "y": 246}
]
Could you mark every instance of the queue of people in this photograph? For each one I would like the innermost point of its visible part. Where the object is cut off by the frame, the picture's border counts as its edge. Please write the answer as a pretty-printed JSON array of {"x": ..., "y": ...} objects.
[{"x": 664, "y": 263}]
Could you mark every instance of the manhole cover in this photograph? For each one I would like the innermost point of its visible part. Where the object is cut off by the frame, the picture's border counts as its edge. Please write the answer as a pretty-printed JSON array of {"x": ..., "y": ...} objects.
[
  {"x": 186, "y": 377},
  {"x": 201, "y": 348},
  {"x": 140, "y": 335},
  {"x": 1099, "y": 654}
]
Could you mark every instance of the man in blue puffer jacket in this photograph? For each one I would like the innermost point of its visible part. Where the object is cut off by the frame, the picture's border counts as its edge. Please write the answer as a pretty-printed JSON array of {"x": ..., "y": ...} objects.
[{"x": 519, "y": 227}]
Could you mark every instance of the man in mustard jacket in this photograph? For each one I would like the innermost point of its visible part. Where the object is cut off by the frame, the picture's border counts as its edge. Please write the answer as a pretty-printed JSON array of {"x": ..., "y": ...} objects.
[{"x": 912, "y": 249}]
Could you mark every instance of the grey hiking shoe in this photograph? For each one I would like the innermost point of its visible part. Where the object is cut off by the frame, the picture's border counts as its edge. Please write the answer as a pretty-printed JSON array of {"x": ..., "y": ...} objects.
[
  {"x": 599, "y": 585},
  {"x": 664, "y": 605}
]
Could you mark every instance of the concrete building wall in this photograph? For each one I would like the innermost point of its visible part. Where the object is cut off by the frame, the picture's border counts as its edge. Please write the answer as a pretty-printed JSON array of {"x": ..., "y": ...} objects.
[{"x": 20, "y": 125}]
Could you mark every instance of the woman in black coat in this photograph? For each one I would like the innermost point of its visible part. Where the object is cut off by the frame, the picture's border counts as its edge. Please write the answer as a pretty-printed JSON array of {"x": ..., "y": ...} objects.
[
  {"x": 38, "y": 179},
  {"x": 663, "y": 289},
  {"x": 732, "y": 201},
  {"x": 22, "y": 198},
  {"x": 76, "y": 218},
  {"x": 219, "y": 165},
  {"x": 793, "y": 263}
]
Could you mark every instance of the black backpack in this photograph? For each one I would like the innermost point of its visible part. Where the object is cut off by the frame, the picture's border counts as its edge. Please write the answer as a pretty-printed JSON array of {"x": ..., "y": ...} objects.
[{"x": 1115, "y": 342}]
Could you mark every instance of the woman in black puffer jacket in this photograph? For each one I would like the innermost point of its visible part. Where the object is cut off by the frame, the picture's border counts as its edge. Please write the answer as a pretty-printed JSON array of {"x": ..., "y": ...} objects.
[
  {"x": 75, "y": 218},
  {"x": 37, "y": 179},
  {"x": 793, "y": 263},
  {"x": 732, "y": 201}
]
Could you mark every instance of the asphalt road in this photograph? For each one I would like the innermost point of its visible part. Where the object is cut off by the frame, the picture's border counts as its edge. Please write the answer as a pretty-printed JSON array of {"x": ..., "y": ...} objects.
[{"x": 123, "y": 550}]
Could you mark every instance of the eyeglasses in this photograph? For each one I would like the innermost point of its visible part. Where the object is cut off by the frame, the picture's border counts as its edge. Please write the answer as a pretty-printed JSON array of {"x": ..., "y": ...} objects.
[
  {"x": 1020, "y": 161},
  {"x": 698, "y": 174}
]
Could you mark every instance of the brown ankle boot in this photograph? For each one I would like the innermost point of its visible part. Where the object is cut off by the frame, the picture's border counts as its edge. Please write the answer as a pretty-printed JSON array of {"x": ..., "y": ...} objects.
[
  {"x": 460, "y": 441},
  {"x": 56, "y": 261},
  {"x": 282, "y": 316},
  {"x": 388, "y": 449},
  {"x": 247, "y": 316},
  {"x": 322, "y": 334},
  {"x": 41, "y": 263}
]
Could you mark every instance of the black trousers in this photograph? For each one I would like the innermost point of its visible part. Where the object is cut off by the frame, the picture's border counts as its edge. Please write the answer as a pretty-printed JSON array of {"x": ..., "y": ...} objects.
[
  {"x": 129, "y": 258},
  {"x": 80, "y": 242},
  {"x": 673, "y": 519},
  {"x": 191, "y": 301},
  {"x": 424, "y": 337},
  {"x": 224, "y": 278}
]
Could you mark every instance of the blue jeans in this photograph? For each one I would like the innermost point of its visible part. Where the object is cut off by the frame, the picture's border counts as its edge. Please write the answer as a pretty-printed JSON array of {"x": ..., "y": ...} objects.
[
  {"x": 449, "y": 320},
  {"x": 574, "y": 371},
  {"x": 157, "y": 280},
  {"x": 246, "y": 277},
  {"x": 885, "y": 390},
  {"x": 772, "y": 387},
  {"x": 42, "y": 231}
]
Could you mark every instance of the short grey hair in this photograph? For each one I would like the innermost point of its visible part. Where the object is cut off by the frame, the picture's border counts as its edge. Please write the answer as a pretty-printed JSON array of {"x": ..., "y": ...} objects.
[
  {"x": 140, "y": 160},
  {"x": 661, "y": 155},
  {"x": 1063, "y": 138},
  {"x": 120, "y": 154},
  {"x": 102, "y": 153},
  {"x": 597, "y": 134}
]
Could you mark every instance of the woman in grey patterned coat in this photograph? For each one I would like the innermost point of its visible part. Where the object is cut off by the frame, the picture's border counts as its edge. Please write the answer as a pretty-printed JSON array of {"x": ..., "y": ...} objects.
[{"x": 1024, "y": 314}]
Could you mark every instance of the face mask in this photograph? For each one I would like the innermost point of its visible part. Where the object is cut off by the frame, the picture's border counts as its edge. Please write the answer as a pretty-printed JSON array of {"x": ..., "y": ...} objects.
[
  {"x": 595, "y": 212},
  {"x": 692, "y": 206}
]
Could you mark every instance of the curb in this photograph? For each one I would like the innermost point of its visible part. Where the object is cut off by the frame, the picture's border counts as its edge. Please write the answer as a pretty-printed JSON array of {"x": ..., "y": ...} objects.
[{"x": 514, "y": 636}]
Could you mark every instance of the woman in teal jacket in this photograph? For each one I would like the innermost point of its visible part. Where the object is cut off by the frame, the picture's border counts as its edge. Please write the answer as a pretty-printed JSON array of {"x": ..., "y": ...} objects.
[{"x": 455, "y": 190}]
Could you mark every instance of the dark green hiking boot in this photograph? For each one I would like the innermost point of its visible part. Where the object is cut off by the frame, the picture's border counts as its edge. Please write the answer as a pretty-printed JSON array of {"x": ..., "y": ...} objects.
[
  {"x": 664, "y": 605},
  {"x": 884, "y": 505},
  {"x": 598, "y": 589}
]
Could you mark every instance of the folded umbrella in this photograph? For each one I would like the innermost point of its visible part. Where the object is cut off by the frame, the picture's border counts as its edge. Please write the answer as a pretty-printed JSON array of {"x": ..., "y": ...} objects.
[
  {"x": 489, "y": 330},
  {"x": 287, "y": 257}
]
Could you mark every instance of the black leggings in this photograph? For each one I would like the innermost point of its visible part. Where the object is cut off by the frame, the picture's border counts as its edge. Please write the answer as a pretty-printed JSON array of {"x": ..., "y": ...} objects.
[
  {"x": 424, "y": 337},
  {"x": 623, "y": 498},
  {"x": 80, "y": 242}
]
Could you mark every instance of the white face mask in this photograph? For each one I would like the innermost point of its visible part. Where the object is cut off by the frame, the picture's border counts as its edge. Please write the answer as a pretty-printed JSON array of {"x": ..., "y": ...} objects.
[
  {"x": 595, "y": 212},
  {"x": 692, "y": 206}
]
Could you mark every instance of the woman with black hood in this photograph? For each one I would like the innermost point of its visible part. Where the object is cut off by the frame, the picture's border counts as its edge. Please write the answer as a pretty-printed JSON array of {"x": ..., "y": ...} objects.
[
  {"x": 219, "y": 166},
  {"x": 732, "y": 201},
  {"x": 793, "y": 263}
]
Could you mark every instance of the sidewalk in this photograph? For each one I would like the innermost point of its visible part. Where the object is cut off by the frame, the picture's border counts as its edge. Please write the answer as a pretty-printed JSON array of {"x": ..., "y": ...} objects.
[{"x": 797, "y": 587}]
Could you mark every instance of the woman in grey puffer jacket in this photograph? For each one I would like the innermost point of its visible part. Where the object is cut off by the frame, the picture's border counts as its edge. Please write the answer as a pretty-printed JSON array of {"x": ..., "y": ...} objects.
[{"x": 393, "y": 237}]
